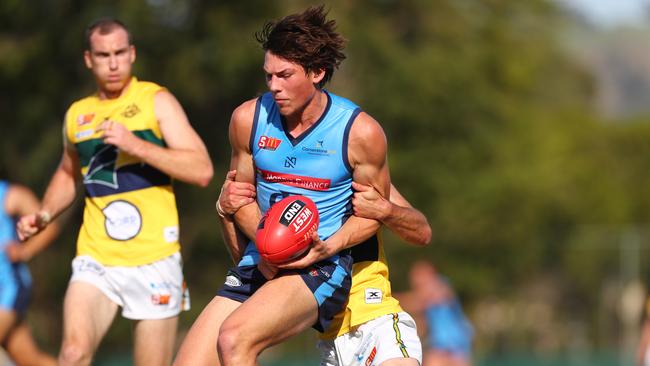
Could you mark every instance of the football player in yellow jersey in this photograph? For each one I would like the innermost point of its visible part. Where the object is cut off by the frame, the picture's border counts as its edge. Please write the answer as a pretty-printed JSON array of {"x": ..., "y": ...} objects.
[
  {"x": 388, "y": 338},
  {"x": 125, "y": 143}
]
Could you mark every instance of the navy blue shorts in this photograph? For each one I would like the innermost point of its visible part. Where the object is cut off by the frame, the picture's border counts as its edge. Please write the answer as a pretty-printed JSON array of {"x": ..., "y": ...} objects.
[
  {"x": 15, "y": 286},
  {"x": 328, "y": 280}
]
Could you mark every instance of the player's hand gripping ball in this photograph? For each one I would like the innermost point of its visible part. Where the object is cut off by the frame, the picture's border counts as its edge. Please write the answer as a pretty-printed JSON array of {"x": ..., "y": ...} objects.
[{"x": 284, "y": 232}]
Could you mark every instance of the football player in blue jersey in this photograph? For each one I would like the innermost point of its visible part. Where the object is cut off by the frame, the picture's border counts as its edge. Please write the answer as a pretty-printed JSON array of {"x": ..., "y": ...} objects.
[
  {"x": 448, "y": 331},
  {"x": 15, "y": 289},
  {"x": 398, "y": 215},
  {"x": 297, "y": 138}
]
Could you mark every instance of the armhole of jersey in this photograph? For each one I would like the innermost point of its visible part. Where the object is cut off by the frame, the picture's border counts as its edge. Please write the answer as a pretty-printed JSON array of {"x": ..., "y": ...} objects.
[
  {"x": 346, "y": 137},
  {"x": 67, "y": 131},
  {"x": 256, "y": 116},
  {"x": 156, "y": 126}
]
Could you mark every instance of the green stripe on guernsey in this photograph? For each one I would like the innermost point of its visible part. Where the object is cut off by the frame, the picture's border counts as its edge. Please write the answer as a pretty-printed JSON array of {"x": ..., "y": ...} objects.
[
  {"x": 88, "y": 148},
  {"x": 398, "y": 336}
]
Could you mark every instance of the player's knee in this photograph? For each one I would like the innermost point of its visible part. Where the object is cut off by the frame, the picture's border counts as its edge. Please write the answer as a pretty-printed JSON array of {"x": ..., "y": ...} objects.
[
  {"x": 74, "y": 354},
  {"x": 232, "y": 343},
  {"x": 228, "y": 343}
]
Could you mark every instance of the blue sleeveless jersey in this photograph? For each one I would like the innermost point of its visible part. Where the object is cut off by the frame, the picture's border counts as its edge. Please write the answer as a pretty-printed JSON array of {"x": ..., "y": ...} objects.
[
  {"x": 7, "y": 224},
  {"x": 15, "y": 280},
  {"x": 449, "y": 329},
  {"x": 314, "y": 164}
]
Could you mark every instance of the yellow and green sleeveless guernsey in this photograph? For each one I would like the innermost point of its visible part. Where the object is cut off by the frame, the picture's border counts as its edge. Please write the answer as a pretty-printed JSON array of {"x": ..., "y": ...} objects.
[
  {"x": 370, "y": 295},
  {"x": 130, "y": 215}
]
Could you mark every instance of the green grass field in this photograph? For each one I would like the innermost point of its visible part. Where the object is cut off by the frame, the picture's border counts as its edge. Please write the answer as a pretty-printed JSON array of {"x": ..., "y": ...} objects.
[{"x": 600, "y": 359}]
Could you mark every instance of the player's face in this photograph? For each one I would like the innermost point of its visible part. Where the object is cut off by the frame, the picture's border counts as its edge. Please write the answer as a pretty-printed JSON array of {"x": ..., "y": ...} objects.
[
  {"x": 292, "y": 88},
  {"x": 110, "y": 59}
]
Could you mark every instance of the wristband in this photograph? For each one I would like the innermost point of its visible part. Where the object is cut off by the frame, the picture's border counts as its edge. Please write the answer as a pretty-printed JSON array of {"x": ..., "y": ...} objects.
[
  {"x": 220, "y": 210},
  {"x": 43, "y": 218}
]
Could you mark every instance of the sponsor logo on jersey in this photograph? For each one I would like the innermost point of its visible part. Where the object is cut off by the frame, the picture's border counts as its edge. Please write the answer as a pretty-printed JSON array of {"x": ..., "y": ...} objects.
[
  {"x": 318, "y": 149},
  {"x": 185, "y": 299},
  {"x": 369, "y": 340},
  {"x": 268, "y": 143},
  {"x": 159, "y": 299},
  {"x": 170, "y": 233},
  {"x": 83, "y": 134},
  {"x": 290, "y": 162},
  {"x": 326, "y": 273},
  {"x": 130, "y": 111},
  {"x": 83, "y": 265},
  {"x": 311, "y": 183},
  {"x": 232, "y": 280},
  {"x": 371, "y": 357},
  {"x": 373, "y": 296},
  {"x": 122, "y": 220},
  {"x": 84, "y": 119}
]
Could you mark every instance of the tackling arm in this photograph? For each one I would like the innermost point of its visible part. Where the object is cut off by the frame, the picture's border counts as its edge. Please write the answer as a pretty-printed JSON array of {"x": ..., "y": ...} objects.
[
  {"x": 233, "y": 196},
  {"x": 397, "y": 213}
]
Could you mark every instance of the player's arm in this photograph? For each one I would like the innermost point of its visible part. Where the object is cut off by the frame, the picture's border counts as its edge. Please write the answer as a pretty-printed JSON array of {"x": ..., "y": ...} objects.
[
  {"x": 59, "y": 195},
  {"x": 234, "y": 239},
  {"x": 367, "y": 154},
  {"x": 184, "y": 158},
  {"x": 396, "y": 213},
  {"x": 247, "y": 217},
  {"x": 233, "y": 196},
  {"x": 21, "y": 201},
  {"x": 241, "y": 160},
  {"x": 644, "y": 343}
]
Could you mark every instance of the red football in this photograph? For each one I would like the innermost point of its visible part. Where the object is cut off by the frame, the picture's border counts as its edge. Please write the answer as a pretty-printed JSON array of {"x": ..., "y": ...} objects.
[{"x": 284, "y": 233}]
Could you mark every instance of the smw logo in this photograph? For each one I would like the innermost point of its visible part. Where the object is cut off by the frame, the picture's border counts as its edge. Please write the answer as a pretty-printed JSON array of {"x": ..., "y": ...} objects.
[{"x": 268, "y": 143}]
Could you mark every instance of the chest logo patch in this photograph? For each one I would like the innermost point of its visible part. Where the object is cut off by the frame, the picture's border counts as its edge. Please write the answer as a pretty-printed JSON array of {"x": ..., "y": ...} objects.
[
  {"x": 84, "y": 119},
  {"x": 131, "y": 111},
  {"x": 268, "y": 143},
  {"x": 373, "y": 296},
  {"x": 122, "y": 220}
]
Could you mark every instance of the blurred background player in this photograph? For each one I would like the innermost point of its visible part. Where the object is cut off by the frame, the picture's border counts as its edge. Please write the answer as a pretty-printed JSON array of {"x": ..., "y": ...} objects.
[
  {"x": 643, "y": 352},
  {"x": 379, "y": 340},
  {"x": 15, "y": 280},
  {"x": 126, "y": 143},
  {"x": 448, "y": 332}
]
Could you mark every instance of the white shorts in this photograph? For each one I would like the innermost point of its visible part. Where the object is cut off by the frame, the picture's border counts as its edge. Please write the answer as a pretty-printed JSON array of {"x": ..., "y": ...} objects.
[
  {"x": 381, "y": 339},
  {"x": 150, "y": 291}
]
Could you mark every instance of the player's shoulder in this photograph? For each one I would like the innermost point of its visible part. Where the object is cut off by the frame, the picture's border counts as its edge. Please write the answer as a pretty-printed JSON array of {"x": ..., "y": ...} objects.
[
  {"x": 147, "y": 85},
  {"x": 83, "y": 102},
  {"x": 245, "y": 112},
  {"x": 367, "y": 128},
  {"x": 342, "y": 102}
]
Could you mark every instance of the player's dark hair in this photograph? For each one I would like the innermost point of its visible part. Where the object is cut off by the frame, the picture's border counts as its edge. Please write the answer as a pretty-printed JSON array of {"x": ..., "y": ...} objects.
[
  {"x": 104, "y": 26},
  {"x": 307, "y": 39}
]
